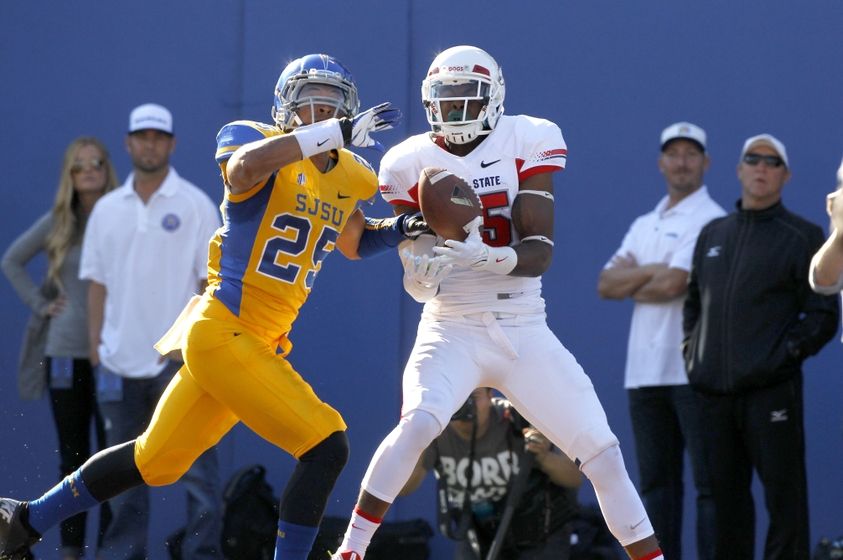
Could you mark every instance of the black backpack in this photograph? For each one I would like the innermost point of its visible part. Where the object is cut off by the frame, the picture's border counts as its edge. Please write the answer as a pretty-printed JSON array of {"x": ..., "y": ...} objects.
[{"x": 250, "y": 516}]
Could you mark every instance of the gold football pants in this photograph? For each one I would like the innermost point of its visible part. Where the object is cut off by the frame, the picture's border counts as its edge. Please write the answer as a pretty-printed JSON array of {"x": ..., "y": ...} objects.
[{"x": 229, "y": 375}]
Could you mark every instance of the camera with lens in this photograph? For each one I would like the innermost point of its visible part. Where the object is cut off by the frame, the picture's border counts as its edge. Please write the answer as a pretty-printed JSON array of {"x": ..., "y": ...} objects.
[{"x": 468, "y": 411}]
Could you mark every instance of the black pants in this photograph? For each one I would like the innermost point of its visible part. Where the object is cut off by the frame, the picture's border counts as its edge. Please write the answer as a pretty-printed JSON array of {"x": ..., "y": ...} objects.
[
  {"x": 74, "y": 408},
  {"x": 667, "y": 420},
  {"x": 761, "y": 430}
]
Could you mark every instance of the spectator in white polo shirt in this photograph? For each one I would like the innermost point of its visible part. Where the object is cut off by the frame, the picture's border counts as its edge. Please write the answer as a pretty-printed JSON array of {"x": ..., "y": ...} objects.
[
  {"x": 651, "y": 268},
  {"x": 145, "y": 253}
]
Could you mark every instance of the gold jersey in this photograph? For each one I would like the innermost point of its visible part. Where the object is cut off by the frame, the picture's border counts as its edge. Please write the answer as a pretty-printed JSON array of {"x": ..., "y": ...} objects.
[{"x": 264, "y": 259}]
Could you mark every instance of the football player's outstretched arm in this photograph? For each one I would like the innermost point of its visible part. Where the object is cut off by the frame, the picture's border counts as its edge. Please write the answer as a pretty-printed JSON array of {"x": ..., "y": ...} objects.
[
  {"x": 349, "y": 238},
  {"x": 366, "y": 237},
  {"x": 254, "y": 162}
]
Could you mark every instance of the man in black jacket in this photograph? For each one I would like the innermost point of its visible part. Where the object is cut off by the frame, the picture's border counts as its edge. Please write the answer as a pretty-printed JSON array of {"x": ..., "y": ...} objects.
[{"x": 750, "y": 320}]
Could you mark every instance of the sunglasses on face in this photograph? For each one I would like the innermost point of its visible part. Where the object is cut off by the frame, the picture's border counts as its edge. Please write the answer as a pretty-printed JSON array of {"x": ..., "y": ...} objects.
[
  {"x": 94, "y": 163},
  {"x": 770, "y": 161}
]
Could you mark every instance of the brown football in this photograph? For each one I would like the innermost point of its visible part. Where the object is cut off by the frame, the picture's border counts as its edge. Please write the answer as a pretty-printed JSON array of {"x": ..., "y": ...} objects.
[{"x": 447, "y": 202}]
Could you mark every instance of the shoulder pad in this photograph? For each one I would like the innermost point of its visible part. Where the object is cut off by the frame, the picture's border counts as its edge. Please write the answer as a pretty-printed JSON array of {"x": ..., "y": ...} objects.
[
  {"x": 362, "y": 161},
  {"x": 237, "y": 133}
]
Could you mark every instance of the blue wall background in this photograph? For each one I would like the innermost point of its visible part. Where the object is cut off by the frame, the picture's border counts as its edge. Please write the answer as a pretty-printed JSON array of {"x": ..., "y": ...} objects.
[{"x": 612, "y": 74}]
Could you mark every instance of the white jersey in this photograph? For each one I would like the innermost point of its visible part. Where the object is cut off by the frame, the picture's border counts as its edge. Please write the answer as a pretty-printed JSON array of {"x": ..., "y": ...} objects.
[{"x": 519, "y": 147}]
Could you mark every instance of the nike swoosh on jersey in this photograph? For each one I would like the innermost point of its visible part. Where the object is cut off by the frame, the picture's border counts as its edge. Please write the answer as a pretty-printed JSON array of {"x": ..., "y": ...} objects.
[
  {"x": 343, "y": 196},
  {"x": 322, "y": 142},
  {"x": 484, "y": 165}
]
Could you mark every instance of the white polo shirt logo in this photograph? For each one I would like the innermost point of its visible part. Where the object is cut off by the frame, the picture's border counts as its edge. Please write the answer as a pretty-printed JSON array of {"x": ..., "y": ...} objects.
[{"x": 170, "y": 222}]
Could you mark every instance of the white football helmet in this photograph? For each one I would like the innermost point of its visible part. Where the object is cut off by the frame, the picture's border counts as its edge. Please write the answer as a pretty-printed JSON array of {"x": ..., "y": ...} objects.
[{"x": 463, "y": 74}]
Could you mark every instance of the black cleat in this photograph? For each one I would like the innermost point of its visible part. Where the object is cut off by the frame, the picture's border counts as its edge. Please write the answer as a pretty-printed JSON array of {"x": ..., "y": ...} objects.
[{"x": 16, "y": 536}]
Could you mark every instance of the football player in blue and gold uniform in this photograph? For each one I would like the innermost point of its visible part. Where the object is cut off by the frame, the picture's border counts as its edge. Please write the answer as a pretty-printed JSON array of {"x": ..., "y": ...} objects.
[{"x": 291, "y": 197}]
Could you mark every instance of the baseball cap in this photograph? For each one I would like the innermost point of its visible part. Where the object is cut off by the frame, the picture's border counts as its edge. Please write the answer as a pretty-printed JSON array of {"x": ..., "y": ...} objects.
[
  {"x": 685, "y": 131},
  {"x": 150, "y": 116},
  {"x": 766, "y": 140}
]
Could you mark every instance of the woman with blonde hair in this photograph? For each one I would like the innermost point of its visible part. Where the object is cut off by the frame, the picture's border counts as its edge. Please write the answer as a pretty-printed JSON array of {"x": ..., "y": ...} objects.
[{"x": 86, "y": 174}]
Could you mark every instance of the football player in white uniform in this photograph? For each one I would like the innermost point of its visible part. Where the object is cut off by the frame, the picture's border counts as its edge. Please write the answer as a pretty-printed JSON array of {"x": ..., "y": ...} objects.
[{"x": 484, "y": 322}]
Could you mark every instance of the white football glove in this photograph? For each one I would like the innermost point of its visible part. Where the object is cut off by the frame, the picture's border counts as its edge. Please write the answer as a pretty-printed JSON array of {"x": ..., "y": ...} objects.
[
  {"x": 473, "y": 253},
  {"x": 422, "y": 274},
  {"x": 357, "y": 130},
  {"x": 424, "y": 270},
  {"x": 470, "y": 253}
]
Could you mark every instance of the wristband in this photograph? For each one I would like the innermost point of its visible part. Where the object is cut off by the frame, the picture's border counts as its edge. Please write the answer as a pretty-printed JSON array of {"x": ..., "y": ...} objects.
[
  {"x": 500, "y": 260},
  {"x": 541, "y": 238},
  {"x": 319, "y": 137},
  {"x": 543, "y": 194}
]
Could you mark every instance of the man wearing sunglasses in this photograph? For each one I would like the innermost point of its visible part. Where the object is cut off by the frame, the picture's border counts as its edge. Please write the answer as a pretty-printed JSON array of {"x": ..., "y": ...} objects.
[{"x": 750, "y": 320}]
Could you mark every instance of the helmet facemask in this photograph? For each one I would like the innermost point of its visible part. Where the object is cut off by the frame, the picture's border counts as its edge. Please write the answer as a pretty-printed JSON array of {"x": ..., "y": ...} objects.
[
  {"x": 460, "y": 98},
  {"x": 468, "y": 80},
  {"x": 316, "y": 87}
]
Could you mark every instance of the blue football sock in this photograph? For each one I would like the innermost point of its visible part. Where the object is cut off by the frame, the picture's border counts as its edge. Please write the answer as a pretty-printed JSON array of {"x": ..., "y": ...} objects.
[
  {"x": 65, "y": 499},
  {"x": 294, "y": 542}
]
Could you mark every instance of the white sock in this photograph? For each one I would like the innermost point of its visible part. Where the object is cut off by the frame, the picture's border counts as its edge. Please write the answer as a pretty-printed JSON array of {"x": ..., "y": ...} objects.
[{"x": 360, "y": 532}]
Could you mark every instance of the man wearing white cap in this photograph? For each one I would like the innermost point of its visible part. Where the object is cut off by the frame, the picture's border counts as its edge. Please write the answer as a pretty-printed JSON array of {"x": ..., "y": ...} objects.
[
  {"x": 750, "y": 320},
  {"x": 145, "y": 252},
  {"x": 651, "y": 268}
]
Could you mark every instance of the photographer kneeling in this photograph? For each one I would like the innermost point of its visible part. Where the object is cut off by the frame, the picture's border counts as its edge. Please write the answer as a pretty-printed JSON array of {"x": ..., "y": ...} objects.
[{"x": 476, "y": 460}]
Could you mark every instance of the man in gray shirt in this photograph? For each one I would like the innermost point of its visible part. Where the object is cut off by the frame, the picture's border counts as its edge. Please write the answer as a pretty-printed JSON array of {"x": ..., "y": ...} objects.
[{"x": 480, "y": 451}]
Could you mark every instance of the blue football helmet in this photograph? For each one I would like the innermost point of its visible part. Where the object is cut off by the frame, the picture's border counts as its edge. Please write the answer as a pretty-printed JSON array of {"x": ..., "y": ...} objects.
[{"x": 314, "y": 79}]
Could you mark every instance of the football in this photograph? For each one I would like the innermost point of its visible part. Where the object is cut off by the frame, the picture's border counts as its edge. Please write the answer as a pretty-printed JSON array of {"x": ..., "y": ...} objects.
[{"x": 447, "y": 202}]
